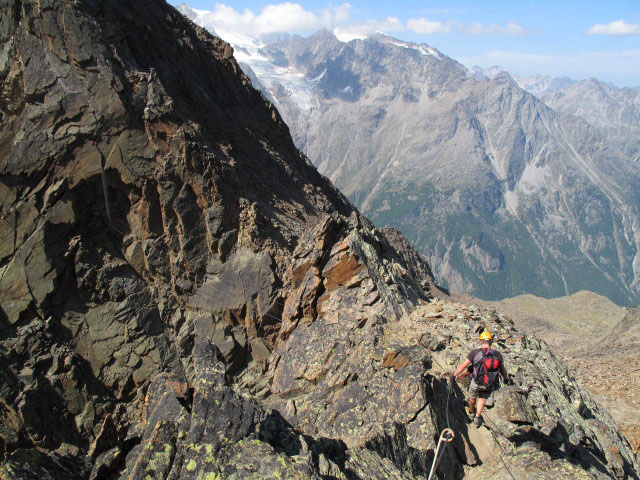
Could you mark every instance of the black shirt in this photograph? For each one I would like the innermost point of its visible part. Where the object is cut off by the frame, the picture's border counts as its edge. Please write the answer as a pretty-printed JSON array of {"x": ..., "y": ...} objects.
[{"x": 476, "y": 351}]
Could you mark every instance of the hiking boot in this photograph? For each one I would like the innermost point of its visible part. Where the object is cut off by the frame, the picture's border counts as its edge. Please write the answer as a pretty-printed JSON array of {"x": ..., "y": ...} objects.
[{"x": 477, "y": 421}]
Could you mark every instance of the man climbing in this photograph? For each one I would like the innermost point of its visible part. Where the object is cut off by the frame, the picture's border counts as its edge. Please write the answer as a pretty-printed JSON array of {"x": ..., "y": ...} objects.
[{"x": 484, "y": 364}]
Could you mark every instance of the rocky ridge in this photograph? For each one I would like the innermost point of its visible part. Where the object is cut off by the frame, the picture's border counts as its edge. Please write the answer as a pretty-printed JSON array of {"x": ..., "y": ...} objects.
[
  {"x": 595, "y": 338},
  {"x": 183, "y": 296},
  {"x": 613, "y": 110}
]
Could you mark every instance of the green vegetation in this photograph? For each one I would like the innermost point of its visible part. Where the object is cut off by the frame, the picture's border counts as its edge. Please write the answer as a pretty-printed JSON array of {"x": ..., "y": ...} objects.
[{"x": 514, "y": 263}]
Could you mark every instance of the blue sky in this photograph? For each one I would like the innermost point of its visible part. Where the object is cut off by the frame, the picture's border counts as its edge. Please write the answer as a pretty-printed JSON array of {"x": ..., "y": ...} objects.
[{"x": 578, "y": 39}]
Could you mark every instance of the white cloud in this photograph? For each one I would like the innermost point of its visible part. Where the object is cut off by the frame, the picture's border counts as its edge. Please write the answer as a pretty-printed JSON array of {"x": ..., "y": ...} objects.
[
  {"x": 287, "y": 16},
  {"x": 364, "y": 29},
  {"x": 281, "y": 17},
  {"x": 424, "y": 26},
  {"x": 618, "y": 28},
  {"x": 510, "y": 29},
  {"x": 292, "y": 17}
]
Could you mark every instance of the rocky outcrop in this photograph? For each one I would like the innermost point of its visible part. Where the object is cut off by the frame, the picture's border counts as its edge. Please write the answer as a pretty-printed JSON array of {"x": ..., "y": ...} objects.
[
  {"x": 183, "y": 296},
  {"x": 208, "y": 431},
  {"x": 380, "y": 386},
  {"x": 418, "y": 266},
  {"x": 128, "y": 183},
  {"x": 595, "y": 338}
]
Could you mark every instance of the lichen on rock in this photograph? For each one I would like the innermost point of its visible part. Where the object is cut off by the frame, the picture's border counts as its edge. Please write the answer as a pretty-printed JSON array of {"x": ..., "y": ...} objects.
[{"x": 183, "y": 296}]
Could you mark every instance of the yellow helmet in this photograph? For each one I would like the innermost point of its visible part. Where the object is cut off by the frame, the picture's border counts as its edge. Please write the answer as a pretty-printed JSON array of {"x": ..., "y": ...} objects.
[{"x": 486, "y": 336}]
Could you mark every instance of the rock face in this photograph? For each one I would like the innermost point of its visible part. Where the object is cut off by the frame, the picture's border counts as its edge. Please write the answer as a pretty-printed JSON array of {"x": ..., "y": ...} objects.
[
  {"x": 183, "y": 296},
  {"x": 501, "y": 193}
]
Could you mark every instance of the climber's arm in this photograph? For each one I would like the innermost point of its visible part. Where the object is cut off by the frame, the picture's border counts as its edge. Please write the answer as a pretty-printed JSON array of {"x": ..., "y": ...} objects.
[{"x": 463, "y": 366}]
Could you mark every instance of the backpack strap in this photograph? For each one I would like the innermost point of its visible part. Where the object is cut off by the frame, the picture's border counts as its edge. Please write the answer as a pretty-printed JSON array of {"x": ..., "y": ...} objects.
[
  {"x": 478, "y": 357},
  {"x": 477, "y": 360}
]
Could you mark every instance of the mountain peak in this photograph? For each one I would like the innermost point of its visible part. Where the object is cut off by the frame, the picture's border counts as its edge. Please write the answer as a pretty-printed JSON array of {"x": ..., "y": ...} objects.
[
  {"x": 535, "y": 84},
  {"x": 506, "y": 77},
  {"x": 188, "y": 12}
]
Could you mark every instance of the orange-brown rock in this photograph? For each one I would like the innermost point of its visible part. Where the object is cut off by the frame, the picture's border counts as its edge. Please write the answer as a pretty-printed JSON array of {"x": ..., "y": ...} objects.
[
  {"x": 341, "y": 272},
  {"x": 394, "y": 359},
  {"x": 180, "y": 287}
]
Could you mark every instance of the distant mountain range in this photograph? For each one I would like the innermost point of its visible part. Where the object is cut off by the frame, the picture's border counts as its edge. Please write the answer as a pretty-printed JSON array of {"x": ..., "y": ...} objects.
[
  {"x": 536, "y": 84},
  {"x": 505, "y": 192},
  {"x": 616, "y": 111}
]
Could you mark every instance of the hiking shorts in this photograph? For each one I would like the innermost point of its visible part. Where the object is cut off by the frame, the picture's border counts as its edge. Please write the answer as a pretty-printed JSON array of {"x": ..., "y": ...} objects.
[{"x": 475, "y": 392}]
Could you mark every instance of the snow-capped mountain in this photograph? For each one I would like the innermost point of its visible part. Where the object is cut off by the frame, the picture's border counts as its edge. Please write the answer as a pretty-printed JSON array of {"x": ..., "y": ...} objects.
[{"x": 275, "y": 81}]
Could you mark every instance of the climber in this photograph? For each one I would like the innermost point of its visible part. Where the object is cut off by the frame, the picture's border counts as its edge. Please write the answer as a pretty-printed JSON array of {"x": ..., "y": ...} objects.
[{"x": 483, "y": 363}]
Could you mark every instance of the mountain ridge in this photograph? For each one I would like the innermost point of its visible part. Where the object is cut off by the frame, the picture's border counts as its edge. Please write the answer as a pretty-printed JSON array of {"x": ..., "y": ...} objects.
[
  {"x": 535, "y": 84},
  {"x": 595, "y": 338}
]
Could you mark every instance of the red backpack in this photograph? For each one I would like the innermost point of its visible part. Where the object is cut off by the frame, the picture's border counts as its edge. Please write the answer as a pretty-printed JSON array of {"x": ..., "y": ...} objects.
[{"x": 486, "y": 367}]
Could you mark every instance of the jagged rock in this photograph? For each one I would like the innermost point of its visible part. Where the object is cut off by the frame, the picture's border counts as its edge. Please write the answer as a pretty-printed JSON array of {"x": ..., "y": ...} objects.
[
  {"x": 183, "y": 296},
  {"x": 32, "y": 464},
  {"x": 217, "y": 433},
  {"x": 512, "y": 406},
  {"x": 107, "y": 464},
  {"x": 415, "y": 263},
  {"x": 336, "y": 394},
  {"x": 106, "y": 438},
  {"x": 434, "y": 344}
]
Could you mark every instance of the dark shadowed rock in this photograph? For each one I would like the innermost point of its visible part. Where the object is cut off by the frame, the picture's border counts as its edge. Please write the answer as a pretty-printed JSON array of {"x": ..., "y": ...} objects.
[{"x": 183, "y": 296}]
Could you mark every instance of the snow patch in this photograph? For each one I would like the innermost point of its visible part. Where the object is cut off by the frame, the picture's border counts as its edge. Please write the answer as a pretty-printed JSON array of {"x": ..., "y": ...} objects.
[
  {"x": 512, "y": 202},
  {"x": 423, "y": 49},
  {"x": 300, "y": 90},
  {"x": 246, "y": 49},
  {"x": 346, "y": 37},
  {"x": 533, "y": 178},
  {"x": 319, "y": 77}
]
